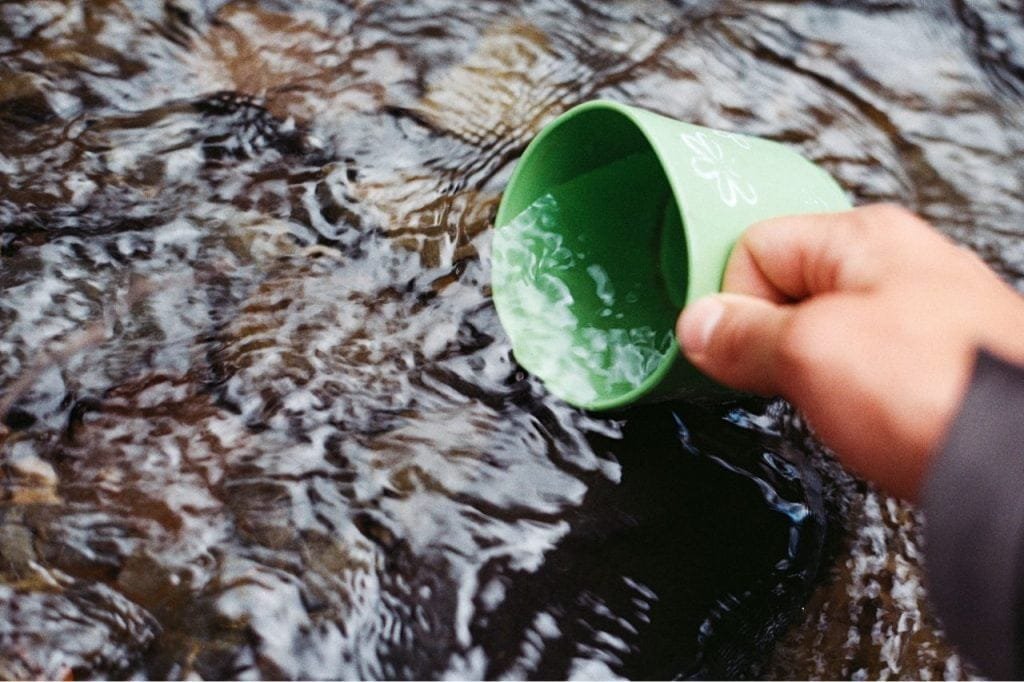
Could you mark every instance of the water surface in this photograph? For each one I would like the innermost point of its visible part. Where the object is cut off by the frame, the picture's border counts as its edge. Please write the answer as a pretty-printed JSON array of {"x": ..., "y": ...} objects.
[{"x": 259, "y": 418}]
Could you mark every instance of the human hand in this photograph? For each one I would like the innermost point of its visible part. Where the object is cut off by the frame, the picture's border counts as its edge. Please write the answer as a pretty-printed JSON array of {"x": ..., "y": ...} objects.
[{"x": 868, "y": 321}]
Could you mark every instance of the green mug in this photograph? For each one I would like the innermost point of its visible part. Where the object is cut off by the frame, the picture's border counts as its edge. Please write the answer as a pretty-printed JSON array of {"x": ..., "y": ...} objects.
[{"x": 613, "y": 221}]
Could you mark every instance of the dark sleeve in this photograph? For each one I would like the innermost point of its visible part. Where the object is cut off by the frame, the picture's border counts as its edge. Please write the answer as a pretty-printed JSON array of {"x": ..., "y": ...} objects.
[{"x": 973, "y": 502}]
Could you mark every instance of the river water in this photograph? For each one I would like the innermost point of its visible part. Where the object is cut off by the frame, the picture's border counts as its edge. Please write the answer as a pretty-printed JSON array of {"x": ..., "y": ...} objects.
[{"x": 259, "y": 418}]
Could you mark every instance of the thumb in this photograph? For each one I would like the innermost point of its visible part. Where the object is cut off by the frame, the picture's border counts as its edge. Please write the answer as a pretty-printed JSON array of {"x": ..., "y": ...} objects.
[{"x": 734, "y": 339}]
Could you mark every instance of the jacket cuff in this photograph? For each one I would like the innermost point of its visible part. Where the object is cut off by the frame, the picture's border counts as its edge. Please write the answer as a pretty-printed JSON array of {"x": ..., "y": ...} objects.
[{"x": 973, "y": 501}]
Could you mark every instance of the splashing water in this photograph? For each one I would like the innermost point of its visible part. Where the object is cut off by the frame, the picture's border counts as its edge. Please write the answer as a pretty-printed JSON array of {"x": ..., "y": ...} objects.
[{"x": 578, "y": 361}]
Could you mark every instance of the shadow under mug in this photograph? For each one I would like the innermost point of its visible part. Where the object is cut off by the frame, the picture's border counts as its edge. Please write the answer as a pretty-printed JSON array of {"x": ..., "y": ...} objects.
[{"x": 614, "y": 220}]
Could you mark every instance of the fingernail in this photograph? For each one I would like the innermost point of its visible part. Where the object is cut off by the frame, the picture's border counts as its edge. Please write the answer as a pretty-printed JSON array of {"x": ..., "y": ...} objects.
[{"x": 699, "y": 322}]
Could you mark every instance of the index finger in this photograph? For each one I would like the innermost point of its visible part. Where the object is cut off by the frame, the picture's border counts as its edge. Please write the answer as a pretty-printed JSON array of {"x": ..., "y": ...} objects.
[{"x": 792, "y": 258}]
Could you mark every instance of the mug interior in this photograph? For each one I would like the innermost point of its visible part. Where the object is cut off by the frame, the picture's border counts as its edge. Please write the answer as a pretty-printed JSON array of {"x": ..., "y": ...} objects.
[{"x": 591, "y": 260}]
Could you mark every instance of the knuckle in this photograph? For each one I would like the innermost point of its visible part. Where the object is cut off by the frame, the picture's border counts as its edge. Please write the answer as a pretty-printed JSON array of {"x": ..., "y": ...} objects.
[
  {"x": 891, "y": 213},
  {"x": 755, "y": 236},
  {"x": 757, "y": 230},
  {"x": 860, "y": 230},
  {"x": 894, "y": 211},
  {"x": 880, "y": 236},
  {"x": 885, "y": 219}
]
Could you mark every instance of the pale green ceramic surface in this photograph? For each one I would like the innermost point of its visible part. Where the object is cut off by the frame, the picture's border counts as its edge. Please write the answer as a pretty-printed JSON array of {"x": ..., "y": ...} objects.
[{"x": 711, "y": 186}]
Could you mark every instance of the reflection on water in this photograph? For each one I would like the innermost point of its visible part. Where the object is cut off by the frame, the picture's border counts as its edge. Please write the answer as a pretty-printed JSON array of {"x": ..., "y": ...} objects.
[{"x": 259, "y": 417}]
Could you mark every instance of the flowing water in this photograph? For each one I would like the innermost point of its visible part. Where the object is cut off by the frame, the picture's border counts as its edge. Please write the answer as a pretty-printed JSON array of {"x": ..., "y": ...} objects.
[{"x": 259, "y": 418}]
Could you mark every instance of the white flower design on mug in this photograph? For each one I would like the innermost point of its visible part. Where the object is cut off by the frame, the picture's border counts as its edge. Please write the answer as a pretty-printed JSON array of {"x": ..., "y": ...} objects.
[{"x": 711, "y": 163}]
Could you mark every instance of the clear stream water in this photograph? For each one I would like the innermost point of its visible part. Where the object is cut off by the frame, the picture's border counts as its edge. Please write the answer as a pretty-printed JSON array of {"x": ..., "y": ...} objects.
[{"x": 259, "y": 418}]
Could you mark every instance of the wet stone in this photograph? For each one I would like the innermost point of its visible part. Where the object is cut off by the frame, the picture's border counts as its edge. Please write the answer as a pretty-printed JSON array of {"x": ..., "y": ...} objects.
[{"x": 19, "y": 552}]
